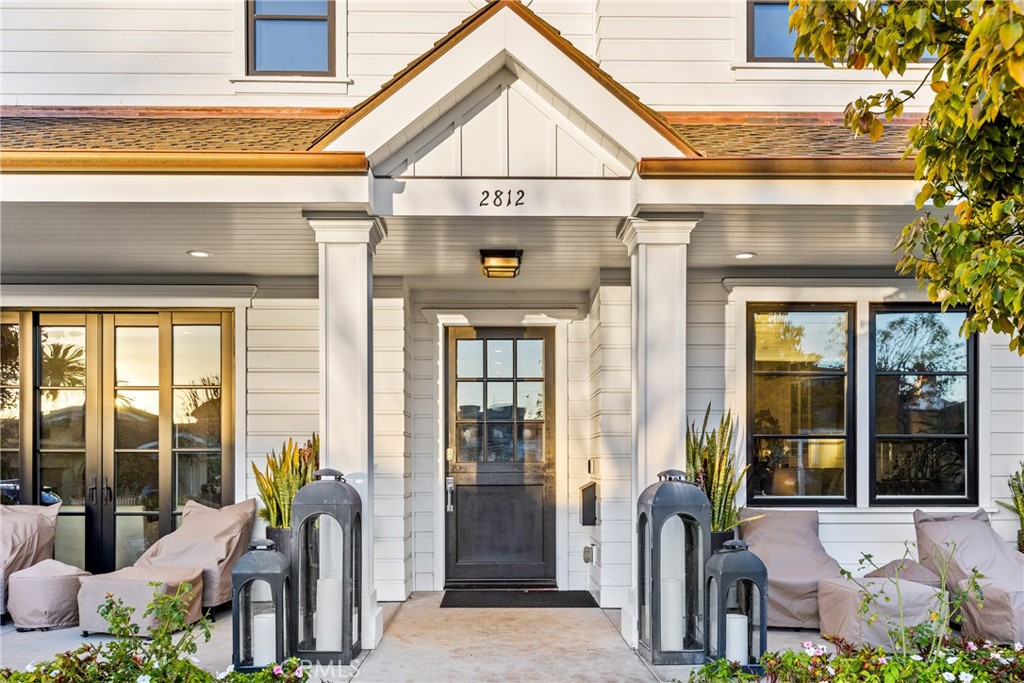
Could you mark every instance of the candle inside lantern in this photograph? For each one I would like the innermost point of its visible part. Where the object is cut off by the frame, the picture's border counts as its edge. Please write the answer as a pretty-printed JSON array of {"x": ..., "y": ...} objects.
[
  {"x": 672, "y": 614},
  {"x": 328, "y": 615},
  {"x": 264, "y": 639},
  {"x": 736, "y": 638}
]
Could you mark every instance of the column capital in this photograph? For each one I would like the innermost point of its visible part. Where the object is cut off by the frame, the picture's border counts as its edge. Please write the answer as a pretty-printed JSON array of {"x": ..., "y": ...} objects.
[
  {"x": 368, "y": 230},
  {"x": 668, "y": 230}
]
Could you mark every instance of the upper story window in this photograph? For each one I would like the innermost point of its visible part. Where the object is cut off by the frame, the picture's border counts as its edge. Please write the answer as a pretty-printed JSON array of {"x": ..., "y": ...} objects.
[
  {"x": 768, "y": 36},
  {"x": 291, "y": 37},
  {"x": 922, "y": 407}
]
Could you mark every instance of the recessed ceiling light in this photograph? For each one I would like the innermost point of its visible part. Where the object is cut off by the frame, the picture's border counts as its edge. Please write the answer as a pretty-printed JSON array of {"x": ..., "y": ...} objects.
[
  {"x": 198, "y": 253},
  {"x": 744, "y": 255}
]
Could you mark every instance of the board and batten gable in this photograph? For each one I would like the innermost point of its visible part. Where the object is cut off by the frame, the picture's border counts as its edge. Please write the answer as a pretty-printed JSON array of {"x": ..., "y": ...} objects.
[{"x": 675, "y": 55}]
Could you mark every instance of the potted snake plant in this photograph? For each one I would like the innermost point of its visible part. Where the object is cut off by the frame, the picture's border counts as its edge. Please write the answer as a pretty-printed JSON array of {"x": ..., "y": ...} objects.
[
  {"x": 712, "y": 466},
  {"x": 278, "y": 483},
  {"x": 1016, "y": 504}
]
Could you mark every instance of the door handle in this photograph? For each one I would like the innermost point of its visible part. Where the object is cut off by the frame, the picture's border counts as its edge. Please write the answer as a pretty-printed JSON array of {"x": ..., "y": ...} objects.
[
  {"x": 449, "y": 485},
  {"x": 90, "y": 493},
  {"x": 108, "y": 493}
]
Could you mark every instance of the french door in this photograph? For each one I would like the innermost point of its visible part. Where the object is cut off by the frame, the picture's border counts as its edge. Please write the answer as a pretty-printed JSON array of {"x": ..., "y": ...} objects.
[
  {"x": 121, "y": 417},
  {"x": 500, "y": 466}
]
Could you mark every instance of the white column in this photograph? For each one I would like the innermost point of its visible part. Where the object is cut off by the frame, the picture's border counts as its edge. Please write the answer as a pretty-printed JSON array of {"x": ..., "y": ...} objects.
[
  {"x": 657, "y": 255},
  {"x": 346, "y": 375}
]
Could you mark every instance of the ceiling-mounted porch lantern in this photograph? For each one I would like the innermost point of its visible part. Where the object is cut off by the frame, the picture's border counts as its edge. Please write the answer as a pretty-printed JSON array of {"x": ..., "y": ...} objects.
[{"x": 501, "y": 262}]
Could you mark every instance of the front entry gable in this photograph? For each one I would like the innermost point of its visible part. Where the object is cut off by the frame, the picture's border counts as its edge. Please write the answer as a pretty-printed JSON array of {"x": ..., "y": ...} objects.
[
  {"x": 508, "y": 88},
  {"x": 511, "y": 126}
]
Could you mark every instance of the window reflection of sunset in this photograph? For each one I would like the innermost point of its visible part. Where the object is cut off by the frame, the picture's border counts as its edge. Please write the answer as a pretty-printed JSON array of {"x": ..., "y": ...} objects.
[{"x": 136, "y": 356}]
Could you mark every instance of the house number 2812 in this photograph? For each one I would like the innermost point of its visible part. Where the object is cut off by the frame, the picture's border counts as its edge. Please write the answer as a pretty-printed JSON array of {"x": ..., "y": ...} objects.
[{"x": 502, "y": 197}]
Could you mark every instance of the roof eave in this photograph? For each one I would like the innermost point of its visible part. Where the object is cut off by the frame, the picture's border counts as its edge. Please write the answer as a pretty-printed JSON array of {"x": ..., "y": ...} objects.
[
  {"x": 777, "y": 167},
  {"x": 138, "y": 162}
]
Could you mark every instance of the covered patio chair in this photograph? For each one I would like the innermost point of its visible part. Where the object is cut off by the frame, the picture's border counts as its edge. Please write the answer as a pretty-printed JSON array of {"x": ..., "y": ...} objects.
[
  {"x": 26, "y": 538},
  {"x": 968, "y": 542},
  {"x": 787, "y": 542},
  {"x": 201, "y": 552}
]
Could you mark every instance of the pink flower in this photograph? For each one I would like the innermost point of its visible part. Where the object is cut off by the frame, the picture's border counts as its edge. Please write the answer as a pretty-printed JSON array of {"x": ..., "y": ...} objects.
[
  {"x": 298, "y": 672},
  {"x": 278, "y": 670},
  {"x": 971, "y": 646},
  {"x": 883, "y": 660}
]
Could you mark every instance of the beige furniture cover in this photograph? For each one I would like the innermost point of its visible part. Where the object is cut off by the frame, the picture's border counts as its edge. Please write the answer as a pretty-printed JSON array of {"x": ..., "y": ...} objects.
[
  {"x": 969, "y": 542},
  {"x": 907, "y": 570},
  {"x": 45, "y": 595},
  {"x": 787, "y": 542},
  {"x": 210, "y": 538},
  {"x": 839, "y": 602},
  {"x": 132, "y": 585},
  {"x": 26, "y": 537}
]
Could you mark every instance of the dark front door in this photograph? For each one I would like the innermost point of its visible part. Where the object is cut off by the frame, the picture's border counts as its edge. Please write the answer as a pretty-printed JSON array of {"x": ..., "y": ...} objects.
[{"x": 500, "y": 494}]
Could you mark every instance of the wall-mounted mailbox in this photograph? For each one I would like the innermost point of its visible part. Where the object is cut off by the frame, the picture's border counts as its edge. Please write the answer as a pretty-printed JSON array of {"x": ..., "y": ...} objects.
[{"x": 588, "y": 504}]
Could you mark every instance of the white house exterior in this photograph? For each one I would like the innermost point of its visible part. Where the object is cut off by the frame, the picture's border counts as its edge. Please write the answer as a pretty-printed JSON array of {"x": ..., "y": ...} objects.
[{"x": 631, "y": 150}]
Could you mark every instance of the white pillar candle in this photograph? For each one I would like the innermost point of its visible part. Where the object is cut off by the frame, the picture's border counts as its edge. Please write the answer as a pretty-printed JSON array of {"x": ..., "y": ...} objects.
[
  {"x": 264, "y": 640},
  {"x": 736, "y": 638},
  {"x": 671, "y": 615},
  {"x": 328, "y": 615}
]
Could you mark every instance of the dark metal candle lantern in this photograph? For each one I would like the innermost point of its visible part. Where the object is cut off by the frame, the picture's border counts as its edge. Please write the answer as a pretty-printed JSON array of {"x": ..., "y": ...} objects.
[
  {"x": 326, "y": 568},
  {"x": 737, "y": 606},
  {"x": 260, "y": 585},
  {"x": 674, "y": 529}
]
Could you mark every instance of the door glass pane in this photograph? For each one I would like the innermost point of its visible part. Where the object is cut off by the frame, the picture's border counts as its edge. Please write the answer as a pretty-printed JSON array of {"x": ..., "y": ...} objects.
[
  {"x": 499, "y": 358},
  {"x": 499, "y": 400},
  {"x": 63, "y": 356},
  {"x": 62, "y": 418},
  {"x": 471, "y": 400},
  {"x": 69, "y": 541},
  {"x": 10, "y": 468},
  {"x": 921, "y": 467},
  {"x": 137, "y": 482},
  {"x": 197, "y": 418},
  {"x": 9, "y": 347},
  {"x": 469, "y": 354},
  {"x": 197, "y": 477},
  {"x": 62, "y": 480},
  {"x": 530, "y": 444},
  {"x": 799, "y": 404},
  {"x": 798, "y": 467},
  {"x": 133, "y": 534},
  {"x": 10, "y": 418},
  {"x": 500, "y": 442},
  {"x": 196, "y": 357},
  {"x": 530, "y": 401},
  {"x": 920, "y": 342},
  {"x": 137, "y": 419},
  {"x": 530, "y": 358},
  {"x": 469, "y": 442},
  {"x": 800, "y": 340},
  {"x": 136, "y": 357},
  {"x": 291, "y": 45},
  {"x": 920, "y": 404}
]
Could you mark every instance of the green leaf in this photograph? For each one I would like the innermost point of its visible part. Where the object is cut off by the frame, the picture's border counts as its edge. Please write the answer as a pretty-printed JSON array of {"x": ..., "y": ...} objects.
[{"x": 1010, "y": 34}]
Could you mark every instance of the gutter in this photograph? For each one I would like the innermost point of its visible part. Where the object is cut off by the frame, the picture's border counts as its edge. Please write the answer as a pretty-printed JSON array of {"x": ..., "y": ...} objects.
[
  {"x": 776, "y": 167},
  {"x": 136, "y": 162}
]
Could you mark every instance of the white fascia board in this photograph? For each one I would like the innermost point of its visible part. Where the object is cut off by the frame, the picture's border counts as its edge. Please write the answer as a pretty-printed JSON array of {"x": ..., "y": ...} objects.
[
  {"x": 652, "y": 193},
  {"x": 464, "y": 196},
  {"x": 198, "y": 189},
  {"x": 504, "y": 40}
]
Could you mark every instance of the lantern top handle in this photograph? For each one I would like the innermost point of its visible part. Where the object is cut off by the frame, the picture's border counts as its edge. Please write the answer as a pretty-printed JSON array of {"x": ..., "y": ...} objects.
[
  {"x": 262, "y": 544},
  {"x": 320, "y": 475},
  {"x": 672, "y": 475}
]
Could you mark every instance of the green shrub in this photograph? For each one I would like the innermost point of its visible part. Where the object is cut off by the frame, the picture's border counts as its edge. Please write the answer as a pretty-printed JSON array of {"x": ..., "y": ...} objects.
[{"x": 158, "y": 657}]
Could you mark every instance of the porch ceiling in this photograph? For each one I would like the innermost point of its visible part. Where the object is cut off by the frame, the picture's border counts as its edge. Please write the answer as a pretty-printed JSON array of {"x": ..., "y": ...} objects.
[{"x": 63, "y": 243}]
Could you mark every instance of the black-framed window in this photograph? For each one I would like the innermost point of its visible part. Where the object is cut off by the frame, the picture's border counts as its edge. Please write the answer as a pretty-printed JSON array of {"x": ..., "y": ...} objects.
[
  {"x": 768, "y": 36},
  {"x": 923, "y": 405},
  {"x": 800, "y": 404},
  {"x": 291, "y": 37}
]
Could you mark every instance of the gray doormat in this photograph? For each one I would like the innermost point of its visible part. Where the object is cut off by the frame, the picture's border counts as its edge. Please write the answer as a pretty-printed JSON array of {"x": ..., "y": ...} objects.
[{"x": 517, "y": 598}]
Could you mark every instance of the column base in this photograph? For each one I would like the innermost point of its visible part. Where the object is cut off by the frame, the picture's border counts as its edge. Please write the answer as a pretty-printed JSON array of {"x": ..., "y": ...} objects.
[
  {"x": 373, "y": 622},
  {"x": 628, "y": 623}
]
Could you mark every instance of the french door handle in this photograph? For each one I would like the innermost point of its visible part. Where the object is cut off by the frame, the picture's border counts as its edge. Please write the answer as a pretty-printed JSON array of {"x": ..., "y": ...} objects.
[
  {"x": 450, "y": 493},
  {"x": 90, "y": 493},
  {"x": 108, "y": 493}
]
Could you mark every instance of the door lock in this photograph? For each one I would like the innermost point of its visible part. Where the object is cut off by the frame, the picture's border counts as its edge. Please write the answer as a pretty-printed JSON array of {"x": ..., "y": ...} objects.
[
  {"x": 449, "y": 455},
  {"x": 449, "y": 485}
]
